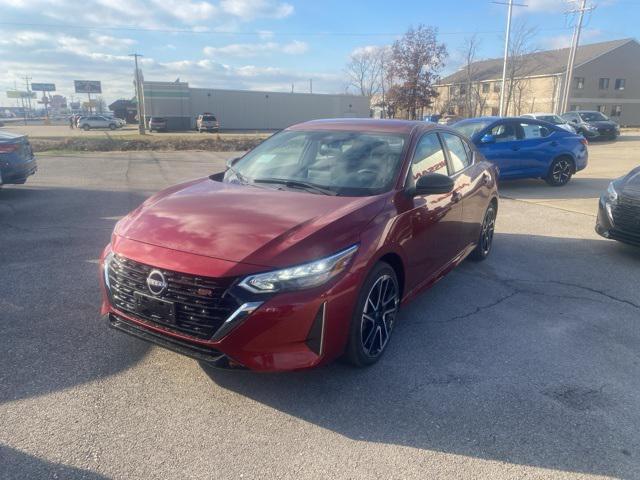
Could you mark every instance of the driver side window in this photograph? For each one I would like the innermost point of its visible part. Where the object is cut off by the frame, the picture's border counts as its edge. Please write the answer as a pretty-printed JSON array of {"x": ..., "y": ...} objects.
[
  {"x": 504, "y": 132},
  {"x": 428, "y": 157}
]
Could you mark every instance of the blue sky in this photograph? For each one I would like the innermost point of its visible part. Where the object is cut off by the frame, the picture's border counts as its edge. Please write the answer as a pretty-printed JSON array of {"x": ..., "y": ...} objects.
[{"x": 257, "y": 44}]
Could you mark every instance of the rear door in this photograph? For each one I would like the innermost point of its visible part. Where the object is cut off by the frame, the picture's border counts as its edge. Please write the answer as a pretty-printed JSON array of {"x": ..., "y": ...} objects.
[
  {"x": 504, "y": 151},
  {"x": 538, "y": 147}
]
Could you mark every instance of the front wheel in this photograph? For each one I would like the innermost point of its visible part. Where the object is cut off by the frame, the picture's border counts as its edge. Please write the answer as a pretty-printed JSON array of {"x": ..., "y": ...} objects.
[
  {"x": 112, "y": 126},
  {"x": 485, "y": 242},
  {"x": 86, "y": 128},
  {"x": 560, "y": 172},
  {"x": 374, "y": 317}
]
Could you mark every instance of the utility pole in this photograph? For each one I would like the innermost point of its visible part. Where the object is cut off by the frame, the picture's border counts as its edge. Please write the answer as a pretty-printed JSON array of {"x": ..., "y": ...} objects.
[
  {"x": 572, "y": 53},
  {"x": 510, "y": 4},
  {"x": 26, "y": 80},
  {"x": 311, "y": 85},
  {"x": 139, "y": 100}
]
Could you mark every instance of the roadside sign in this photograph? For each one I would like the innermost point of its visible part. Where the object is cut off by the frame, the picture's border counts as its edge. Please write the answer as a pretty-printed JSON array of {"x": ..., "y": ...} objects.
[
  {"x": 87, "y": 86},
  {"x": 43, "y": 87},
  {"x": 20, "y": 94}
]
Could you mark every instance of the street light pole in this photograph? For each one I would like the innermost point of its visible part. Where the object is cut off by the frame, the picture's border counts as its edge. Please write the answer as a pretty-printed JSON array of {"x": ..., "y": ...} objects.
[
  {"x": 510, "y": 4},
  {"x": 141, "y": 126}
]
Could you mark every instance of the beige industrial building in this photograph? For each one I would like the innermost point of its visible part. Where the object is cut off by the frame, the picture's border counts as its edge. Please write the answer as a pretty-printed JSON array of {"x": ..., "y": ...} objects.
[
  {"x": 606, "y": 77},
  {"x": 245, "y": 109}
]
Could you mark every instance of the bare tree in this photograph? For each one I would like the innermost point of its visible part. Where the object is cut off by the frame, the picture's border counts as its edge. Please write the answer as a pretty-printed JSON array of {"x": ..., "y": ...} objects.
[
  {"x": 520, "y": 66},
  {"x": 466, "y": 96},
  {"x": 363, "y": 71},
  {"x": 416, "y": 60}
]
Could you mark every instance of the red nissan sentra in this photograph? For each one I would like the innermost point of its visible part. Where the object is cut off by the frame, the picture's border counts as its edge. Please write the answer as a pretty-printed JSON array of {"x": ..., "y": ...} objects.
[{"x": 305, "y": 248}]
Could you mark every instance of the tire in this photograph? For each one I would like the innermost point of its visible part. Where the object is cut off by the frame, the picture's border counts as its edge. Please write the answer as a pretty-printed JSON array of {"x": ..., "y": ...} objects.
[
  {"x": 485, "y": 242},
  {"x": 560, "y": 172},
  {"x": 86, "y": 127},
  {"x": 112, "y": 126},
  {"x": 367, "y": 341}
]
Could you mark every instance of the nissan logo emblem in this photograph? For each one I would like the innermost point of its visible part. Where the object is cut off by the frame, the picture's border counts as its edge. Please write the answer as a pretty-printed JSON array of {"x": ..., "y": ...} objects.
[{"x": 156, "y": 282}]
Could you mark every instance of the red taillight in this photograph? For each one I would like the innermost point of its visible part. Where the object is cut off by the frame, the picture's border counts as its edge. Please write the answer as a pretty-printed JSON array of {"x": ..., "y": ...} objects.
[
  {"x": 584, "y": 141},
  {"x": 9, "y": 147}
]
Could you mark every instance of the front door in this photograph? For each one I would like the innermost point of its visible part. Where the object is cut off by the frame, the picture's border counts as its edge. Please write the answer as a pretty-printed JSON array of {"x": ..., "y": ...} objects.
[
  {"x": 432, "y": 222},
  {"x": 504, "y": 150}
]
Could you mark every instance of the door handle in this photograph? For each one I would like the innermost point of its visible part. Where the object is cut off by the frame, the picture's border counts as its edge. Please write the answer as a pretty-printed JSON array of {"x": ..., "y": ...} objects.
[{"x": 515, "y": 149}]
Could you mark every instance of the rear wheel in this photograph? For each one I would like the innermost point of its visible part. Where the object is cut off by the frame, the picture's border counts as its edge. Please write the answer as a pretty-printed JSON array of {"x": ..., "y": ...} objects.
[
  {"x": 374, "y": 317},
  {"x": 86, "y": 127},
  {"x": 485, "y": 242},
  {"x": 560, "y": 172},
  {"x": 112, "y": 126}
]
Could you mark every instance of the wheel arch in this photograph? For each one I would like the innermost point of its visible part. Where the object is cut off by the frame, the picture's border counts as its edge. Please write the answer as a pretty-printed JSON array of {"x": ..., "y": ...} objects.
[{"x": 395, "y": 261}]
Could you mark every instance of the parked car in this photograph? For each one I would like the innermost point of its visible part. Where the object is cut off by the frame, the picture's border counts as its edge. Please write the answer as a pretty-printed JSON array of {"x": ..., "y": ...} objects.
[
  {"x": 159, "y": 124},
  {"x": 305, "y": 248},
  {"x": 17, "y": 161},
  {"x": 97, "y": 121},
  {"x": 553, "y": 119},
  {"x": 449, "y": 119},
  {"x": 527, "y": 148},
  {"x": 619, "y": 212},
  {"x": 593, "y": 124},
  {"x": 207, "y": 122}
]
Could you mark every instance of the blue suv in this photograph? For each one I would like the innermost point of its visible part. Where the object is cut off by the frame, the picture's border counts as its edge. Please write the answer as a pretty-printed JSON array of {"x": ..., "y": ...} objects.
[{"x": 527, "y": 148}]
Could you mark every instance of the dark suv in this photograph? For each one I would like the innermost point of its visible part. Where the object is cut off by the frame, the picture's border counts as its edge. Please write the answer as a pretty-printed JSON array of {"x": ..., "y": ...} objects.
[
  {"x": 159, "y": 124},
  {"x": 592, "y": 124}
]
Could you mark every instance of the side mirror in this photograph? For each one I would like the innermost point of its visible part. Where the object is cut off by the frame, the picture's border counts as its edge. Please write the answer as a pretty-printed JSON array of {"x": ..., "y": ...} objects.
[
  {"x": 488, "y": 138},
  {"x": 433, "y": 183},
  {"x": 232, "y": 161}
]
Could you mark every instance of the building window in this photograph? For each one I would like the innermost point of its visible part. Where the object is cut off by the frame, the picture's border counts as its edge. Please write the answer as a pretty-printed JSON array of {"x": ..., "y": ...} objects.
[
  {"x": 485, "y": 87},
  {"x": 573, "y": 108},
  {"x": 578, "y": 83},
  {"x": 496, "y": 87},
  {"x": 616, "y": 110},
  {"x": 602, "y": 108},
  {"x": 494, "y": 111},
  {"x": 463, "y": 89},
  {"x": 620, "y": 83},
  {"x": 603, "y": 84}
]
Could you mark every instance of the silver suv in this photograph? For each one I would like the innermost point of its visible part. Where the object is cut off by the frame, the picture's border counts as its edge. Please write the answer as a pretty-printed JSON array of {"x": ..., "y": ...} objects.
[{"x": 207, "y": 122}]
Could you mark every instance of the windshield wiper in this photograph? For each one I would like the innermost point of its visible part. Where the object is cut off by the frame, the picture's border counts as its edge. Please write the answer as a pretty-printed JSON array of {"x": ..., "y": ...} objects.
[{"x": 296, "y": 184}]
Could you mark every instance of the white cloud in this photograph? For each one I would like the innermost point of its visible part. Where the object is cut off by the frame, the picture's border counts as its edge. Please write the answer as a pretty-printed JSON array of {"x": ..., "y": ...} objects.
[
  {"x": 564, "y": 41},
  {"x": 255, "y": 49},
  {"x": 249, "y": 9}
]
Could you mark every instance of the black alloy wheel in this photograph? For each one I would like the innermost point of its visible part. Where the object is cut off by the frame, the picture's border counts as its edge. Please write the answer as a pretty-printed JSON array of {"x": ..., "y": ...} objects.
[
  {"x": 375, "y": 316},
  {"x": 485, "y": 242},
  {"x": 560, "y": 172}
]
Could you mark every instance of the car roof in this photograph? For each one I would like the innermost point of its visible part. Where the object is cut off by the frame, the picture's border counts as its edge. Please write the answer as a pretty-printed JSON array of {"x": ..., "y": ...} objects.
[
  {"x": 5, "y": 136},
  {"x": 536, "y": 114},
  {"x": 364, "y": 124}
]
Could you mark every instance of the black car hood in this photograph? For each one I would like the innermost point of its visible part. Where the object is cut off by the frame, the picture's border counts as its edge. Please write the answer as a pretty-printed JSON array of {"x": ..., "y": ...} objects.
[{"x": 632, "y": 179}]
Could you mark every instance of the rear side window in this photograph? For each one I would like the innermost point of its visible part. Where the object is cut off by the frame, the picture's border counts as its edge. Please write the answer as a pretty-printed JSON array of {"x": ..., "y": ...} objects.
[
  {"x": 458, "y": 152},
  {"x": 428, "y": 157},
  {"x": 532, "y": 130}
]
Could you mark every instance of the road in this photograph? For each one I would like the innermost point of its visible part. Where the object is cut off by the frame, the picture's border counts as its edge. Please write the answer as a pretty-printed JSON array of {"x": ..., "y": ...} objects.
[{"x": 523, "y": 366}]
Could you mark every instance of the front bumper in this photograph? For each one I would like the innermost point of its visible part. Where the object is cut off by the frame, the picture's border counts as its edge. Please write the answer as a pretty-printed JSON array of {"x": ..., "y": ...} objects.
[
  {"x": 289, "y": 331},
  {"x": 606, "y": 228}
]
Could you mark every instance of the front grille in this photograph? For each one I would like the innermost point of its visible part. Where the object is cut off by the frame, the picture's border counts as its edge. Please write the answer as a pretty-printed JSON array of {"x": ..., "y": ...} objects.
[
  {"x": 626, "y": 213},
  {"x": 201, "y": 305}
]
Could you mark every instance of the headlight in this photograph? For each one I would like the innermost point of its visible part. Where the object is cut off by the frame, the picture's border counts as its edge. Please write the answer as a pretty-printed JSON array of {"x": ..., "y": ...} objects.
[
  {"x": 612, "y": 194},
  {"x": 307, "y": 275},
  {"x": 105, "y": 265}
]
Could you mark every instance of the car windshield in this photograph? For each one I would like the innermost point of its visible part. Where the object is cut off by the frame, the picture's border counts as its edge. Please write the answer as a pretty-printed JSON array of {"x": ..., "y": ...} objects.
[
  {"x": 208, "y": 118},
  {"x": 470, "y": 127},
  {"x": 593, "y": 117},
  {"x": 555, "y": 119},
  {"x": 341, "y": 162}
]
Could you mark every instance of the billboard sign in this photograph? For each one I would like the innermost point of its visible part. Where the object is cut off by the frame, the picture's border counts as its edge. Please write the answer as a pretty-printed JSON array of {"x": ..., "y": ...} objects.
[
  {"x": 87, "y": 86},
  {"x": 20, "y": 94},
  {"x": 43, "y": 87}
]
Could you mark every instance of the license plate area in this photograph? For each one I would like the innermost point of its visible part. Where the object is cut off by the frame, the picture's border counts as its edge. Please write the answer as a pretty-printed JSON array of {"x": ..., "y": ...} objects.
[{"x": 156, "y": 308}]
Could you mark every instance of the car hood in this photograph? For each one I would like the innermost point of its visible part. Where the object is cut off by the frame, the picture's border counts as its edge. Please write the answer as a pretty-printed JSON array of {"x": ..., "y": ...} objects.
[
  {"x": 631, "y": 181},
  {"x": 249, "y": 224}
]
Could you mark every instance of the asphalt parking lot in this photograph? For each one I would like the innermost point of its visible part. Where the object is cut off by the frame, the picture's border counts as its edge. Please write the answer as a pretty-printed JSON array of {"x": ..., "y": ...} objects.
[{"x": 524, "y": 366}]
